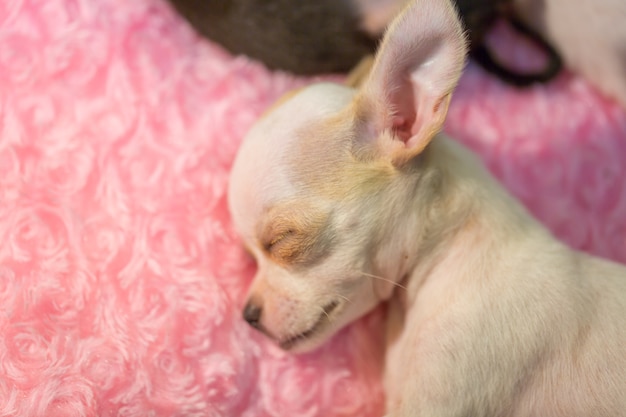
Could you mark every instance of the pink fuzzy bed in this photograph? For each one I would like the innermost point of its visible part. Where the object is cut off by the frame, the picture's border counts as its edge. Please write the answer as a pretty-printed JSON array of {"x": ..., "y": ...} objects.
[{"x": 121, "y": 280}]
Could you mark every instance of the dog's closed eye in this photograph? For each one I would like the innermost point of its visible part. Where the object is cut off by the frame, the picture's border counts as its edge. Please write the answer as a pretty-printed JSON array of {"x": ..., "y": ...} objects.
[
  {"x": 290, "y": 246},
  {"x": 274, "y": 244},
  {"x": 277, "y": 239},
  {"x": 295, "y": 238}
]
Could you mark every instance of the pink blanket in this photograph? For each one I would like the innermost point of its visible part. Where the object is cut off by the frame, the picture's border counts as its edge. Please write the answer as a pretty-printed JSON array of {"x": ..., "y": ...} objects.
[{"x": 121, "y": 280}]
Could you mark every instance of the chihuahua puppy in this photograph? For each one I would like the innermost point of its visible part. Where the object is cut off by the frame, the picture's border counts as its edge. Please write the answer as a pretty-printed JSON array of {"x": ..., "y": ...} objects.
[{"x": 349, "y": 198}]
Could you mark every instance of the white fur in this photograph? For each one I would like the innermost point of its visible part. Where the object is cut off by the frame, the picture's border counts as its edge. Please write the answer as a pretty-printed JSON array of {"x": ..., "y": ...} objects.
[{"x": 489, "y": 315}]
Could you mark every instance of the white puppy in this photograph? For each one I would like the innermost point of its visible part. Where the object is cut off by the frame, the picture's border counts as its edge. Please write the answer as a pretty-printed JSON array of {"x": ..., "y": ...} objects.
[{"x": 348, "y": 198}]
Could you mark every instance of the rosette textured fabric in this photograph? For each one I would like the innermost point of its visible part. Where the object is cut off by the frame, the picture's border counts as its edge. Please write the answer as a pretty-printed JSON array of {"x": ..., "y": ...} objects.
[{"x": 121, "y": 279}]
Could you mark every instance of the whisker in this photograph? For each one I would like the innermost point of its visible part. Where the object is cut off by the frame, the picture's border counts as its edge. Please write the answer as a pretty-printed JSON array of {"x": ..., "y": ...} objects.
[
  {"x": 383, "y": 279},
  {"x": 324, "y": 311},
  {"x": 343, "y": 297}
]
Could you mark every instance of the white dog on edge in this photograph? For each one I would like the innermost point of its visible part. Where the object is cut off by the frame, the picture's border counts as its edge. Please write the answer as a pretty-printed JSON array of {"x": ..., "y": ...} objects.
[{"x": 348, "y": 198}]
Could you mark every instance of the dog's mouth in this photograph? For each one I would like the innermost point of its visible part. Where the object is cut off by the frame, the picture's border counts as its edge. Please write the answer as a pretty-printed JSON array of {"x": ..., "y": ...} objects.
[{"x": 321, "y": 321}]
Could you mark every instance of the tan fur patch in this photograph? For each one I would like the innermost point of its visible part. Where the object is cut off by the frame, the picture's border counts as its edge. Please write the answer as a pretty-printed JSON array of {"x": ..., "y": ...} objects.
[
  {"x": 295, "y": 234},
  {"x": 326, "y": 158}
]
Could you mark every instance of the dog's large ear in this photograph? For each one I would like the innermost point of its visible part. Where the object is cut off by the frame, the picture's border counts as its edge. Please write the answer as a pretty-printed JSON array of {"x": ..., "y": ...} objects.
[{"x": 403, "y": 103}]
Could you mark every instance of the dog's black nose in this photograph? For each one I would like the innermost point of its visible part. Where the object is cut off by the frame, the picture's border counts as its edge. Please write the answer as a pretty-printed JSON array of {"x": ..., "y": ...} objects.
[{"x": 252, "y": 314}]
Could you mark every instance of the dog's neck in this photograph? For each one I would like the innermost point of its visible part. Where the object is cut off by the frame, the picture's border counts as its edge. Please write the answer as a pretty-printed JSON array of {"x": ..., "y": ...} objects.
[{"x": 460, "y": 215}]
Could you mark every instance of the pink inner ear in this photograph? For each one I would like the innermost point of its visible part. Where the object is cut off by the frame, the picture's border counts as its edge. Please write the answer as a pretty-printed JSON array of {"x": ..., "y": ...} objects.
[
  {"x": 402, "y": 128},
  {"x": 412, "y": 117}
]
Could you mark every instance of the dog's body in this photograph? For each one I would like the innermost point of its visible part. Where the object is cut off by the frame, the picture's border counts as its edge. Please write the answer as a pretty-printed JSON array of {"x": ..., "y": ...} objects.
[
  {"x": 348, "y": 198},
  {"x": 500, "y": 319}
]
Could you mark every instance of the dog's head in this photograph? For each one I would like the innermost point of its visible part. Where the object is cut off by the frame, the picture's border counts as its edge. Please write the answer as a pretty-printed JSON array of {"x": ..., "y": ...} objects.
[{"x": 320, "y": 186}]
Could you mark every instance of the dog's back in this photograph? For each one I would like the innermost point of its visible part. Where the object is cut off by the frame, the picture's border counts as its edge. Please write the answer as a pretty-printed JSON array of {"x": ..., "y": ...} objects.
[{"x": 586, "y": 374}]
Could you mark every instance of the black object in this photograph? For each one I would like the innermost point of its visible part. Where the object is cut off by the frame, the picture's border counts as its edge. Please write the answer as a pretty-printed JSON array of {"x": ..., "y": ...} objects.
[
  {"x": 300, "y": 36},
  {"x": 321, "y": 36},
  {"x": 479, "y": 16}
]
